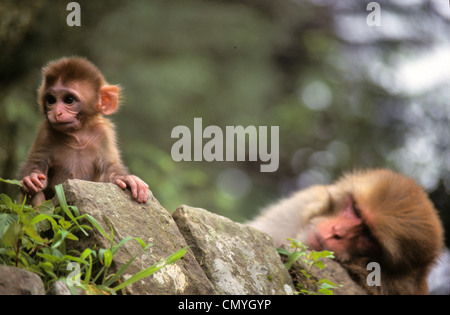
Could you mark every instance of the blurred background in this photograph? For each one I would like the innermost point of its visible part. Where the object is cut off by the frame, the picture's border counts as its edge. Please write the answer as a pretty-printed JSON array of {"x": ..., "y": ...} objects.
[{"x": 344, "y": 94}]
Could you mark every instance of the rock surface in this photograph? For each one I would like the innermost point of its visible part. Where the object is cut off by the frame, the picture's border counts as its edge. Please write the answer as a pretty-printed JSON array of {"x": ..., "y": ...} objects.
[
  {"x": 15, "y": 281},
  {"x": 333, "y": 272},
  {"x": 150, "y": 222},
  {"x": 236, "y": 258}
]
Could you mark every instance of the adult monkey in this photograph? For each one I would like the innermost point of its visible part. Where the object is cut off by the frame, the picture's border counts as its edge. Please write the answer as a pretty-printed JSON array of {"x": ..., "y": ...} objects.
[
  {"x": 75, "y": 140},
  {"x": 366, "y": 216}
]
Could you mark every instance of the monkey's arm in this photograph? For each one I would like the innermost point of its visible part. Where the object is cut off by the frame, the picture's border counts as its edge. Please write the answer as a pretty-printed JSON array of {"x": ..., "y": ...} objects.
[
  {"x": 116, "y": 173},
  {"x": 289, "y": 217},
  {"x": 139, "y": 189},
  {"x": 34, "y": 171},
  {"x": 113, "y": 170}
]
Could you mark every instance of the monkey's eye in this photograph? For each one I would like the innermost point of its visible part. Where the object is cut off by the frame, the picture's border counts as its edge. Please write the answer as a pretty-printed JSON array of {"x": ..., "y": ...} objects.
[
  {"x": 69, "y": 99},
  {"x": 356, "y": 209},
  {"x": 50, "y": 99}
]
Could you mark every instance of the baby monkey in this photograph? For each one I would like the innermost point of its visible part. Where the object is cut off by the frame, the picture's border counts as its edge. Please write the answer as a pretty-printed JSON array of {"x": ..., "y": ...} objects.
[{"x": 75, "y": 140}]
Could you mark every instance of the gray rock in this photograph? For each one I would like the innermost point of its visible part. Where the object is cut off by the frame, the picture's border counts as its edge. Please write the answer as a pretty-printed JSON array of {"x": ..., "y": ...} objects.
[
  {"x": 333, "y": 272},
  {"x": 237, "y": 259},
  {"x": 150, "y": 222},
  {"x": 15, "y": 281},
  {"x": 60, "y": 288}
]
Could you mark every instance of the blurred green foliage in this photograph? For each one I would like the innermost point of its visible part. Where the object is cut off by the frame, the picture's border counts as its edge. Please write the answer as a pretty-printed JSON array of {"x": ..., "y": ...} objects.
[{"x": 314, "y": 68}]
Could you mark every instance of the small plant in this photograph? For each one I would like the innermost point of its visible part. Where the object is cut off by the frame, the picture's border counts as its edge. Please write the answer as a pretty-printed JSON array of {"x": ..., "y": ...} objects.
[
  {"x": 35, "y": 239},
  {"x": 305, "y": 282}
]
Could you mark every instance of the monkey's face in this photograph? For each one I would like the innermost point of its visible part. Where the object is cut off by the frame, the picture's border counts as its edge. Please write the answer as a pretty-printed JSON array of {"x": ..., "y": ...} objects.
[
  {"x": 345, "y": 232},
  {"x": 64, "y": 106}
]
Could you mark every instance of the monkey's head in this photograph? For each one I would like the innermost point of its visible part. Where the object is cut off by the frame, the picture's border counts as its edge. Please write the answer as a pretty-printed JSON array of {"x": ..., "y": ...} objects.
[
  {"x": 74, "y": 92},
  {"x": 380, "y": 215}
]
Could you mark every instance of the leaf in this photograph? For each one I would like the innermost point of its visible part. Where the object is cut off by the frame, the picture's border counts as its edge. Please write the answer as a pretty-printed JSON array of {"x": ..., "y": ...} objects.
[
  {"x": 305, "y": 273},
  {"x": 322, "y": 254},
  {"x": 75, "y": 259},
  {"x": 319, "y": 264},
  {"x": 11, "y": 181},
  {"x": 5, "y": 221},
  {"x": 97, "y": 225},
  {"x": 86, "y": 253},
  {"x": 326, "y": 286},
  {"x": 50, "y": 258},
  {"x": 105, "y": 256},
  {"x": 39, "y": 218},
  {"x": 295, "y": 243},
  {"x": 177, "y": 255},
  {"x": 55, "y": 226},
  {"x": 283, "y": 251},
  {"x": 46, "y": 207},
  {"x": 56, "y": 252},
  {"x": 64, "y": 224},
  {"x": 293, "y": 258},
  {"x": 59, "y": 238},
  {"x": 99, "y": 273},
  {"x": 327, "y": 254},
  {"x": 12, "y": 234},
  {"x": 63, "y": 204},
  {"x": 326, "y": 291},
  {"x": 30, "y": 230},
  {"x": 327, "y": 283},
  {"x": 119, "y": 272},
  {"x": 87, "y": 277},
  {"x": 41, "y": 222},
  {"x": 72, "y": 237},
  {"x": 75, "y": 210},
  {"x": 6, "y": 200},
  {"x": 141, "y": 242}
]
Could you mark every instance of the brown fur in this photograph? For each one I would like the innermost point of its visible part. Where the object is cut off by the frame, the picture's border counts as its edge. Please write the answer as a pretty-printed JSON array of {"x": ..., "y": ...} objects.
[{"x": 69, "y": 70}]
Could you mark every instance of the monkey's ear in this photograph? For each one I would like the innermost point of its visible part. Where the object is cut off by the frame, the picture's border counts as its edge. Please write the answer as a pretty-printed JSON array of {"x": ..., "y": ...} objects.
[{"x": 109, "y": 99}]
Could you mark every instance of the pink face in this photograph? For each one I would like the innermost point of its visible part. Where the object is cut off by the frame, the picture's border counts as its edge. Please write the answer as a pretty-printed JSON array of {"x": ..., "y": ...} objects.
[
  {"x": 346, "y": 234},
  {"x": 62, "y": 104}
]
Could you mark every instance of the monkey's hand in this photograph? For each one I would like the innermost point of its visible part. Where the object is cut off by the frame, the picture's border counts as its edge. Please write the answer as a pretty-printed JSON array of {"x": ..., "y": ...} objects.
[
  {"x": 34, "y": 183},
  {"x": 139, "y": 189}
]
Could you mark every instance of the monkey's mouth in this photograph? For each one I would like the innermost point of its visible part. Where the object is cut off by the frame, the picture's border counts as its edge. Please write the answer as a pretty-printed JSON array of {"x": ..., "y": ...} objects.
[
  {"x": 65, "y": 126},
  {"x": 65, "y": 122}
]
